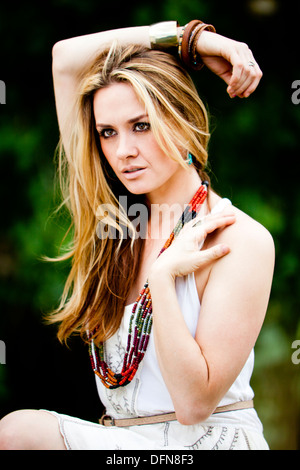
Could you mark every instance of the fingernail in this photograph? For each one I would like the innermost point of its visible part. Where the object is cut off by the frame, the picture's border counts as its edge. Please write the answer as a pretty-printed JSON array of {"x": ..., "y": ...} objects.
[{"x": 224, "y": 249}]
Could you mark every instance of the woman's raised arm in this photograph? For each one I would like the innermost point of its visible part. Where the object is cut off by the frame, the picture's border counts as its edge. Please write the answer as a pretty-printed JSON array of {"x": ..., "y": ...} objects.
[
  {"x": 72, "y": 56},
  {"x": 231, "y": 60}
]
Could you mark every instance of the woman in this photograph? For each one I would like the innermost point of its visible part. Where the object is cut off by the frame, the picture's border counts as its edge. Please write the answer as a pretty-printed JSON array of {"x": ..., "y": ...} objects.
[{"x": 172, "y": 367}]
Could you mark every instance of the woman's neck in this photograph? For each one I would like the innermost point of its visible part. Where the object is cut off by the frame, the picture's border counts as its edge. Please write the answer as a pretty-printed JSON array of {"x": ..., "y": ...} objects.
[
  {"x": 178, "y": 190},
  {"x": 167, "y": 203}
]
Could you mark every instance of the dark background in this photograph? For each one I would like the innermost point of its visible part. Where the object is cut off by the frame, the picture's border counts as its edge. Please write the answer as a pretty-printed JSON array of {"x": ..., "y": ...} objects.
[{"x": 253, "y": 155}]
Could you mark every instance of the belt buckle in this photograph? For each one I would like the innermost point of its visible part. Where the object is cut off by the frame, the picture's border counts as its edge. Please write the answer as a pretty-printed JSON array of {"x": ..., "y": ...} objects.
[{"x": 107, "y": 420}]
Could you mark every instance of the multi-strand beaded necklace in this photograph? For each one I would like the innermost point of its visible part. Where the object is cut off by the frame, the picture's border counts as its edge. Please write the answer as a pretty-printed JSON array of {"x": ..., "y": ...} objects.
[{"x": 140, "y": 323}]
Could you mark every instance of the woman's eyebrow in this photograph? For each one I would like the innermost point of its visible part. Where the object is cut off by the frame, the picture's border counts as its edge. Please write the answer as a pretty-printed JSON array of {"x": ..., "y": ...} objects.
[
  {"x": 138, "y": 118},
  {"x": 130, "y": 121}
]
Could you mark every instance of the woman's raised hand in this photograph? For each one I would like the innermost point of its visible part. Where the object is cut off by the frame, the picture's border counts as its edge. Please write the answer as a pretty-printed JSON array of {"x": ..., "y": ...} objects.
[{"x": 232, "y": 61}]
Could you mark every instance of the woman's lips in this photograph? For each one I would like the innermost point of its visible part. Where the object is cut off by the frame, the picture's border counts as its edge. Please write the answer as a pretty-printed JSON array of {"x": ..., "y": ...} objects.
[{"x": 131, "y": 173}]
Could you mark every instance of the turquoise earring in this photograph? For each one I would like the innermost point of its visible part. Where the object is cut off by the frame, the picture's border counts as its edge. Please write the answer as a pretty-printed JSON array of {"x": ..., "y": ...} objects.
[{"x": 189, "y": 159}]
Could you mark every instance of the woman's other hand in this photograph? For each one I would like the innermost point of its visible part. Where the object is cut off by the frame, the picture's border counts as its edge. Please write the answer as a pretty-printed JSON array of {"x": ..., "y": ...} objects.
[{"x": 185, "y": 255}]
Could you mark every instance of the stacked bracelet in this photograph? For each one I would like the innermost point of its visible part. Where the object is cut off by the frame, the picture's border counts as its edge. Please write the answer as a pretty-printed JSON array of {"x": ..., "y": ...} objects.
[
  {"x": 180, "y": 42},
  {"x": 164, "y": 35},
  {"x": 192, "y": 32}
]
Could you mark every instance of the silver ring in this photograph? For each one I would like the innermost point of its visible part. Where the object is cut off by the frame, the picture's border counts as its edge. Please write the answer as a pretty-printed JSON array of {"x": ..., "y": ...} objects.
[
  {"x": 251, "y": 64},
  {"x": 198, "y": 223}
]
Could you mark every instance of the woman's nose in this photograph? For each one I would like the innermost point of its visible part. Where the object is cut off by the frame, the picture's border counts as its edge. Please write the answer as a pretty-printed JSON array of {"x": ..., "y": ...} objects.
[{"x": 126, "y": 146}]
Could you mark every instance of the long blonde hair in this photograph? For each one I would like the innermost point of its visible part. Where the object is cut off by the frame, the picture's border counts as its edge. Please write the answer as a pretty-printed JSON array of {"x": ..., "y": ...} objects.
[{"x": 104, "y": 268}]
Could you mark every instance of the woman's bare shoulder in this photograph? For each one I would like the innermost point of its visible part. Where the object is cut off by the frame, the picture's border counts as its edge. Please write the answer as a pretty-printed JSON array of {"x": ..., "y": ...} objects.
[
  {"x": 251, "y": 249},
  {"x": 247, "y": 234},
  {"x": 250, "y": 229},
  {"x": 247, "y": 270}
]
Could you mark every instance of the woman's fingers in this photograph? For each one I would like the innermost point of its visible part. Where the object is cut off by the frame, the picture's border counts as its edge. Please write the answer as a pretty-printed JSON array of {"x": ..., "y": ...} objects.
[
  {"x": 185, "y": 255},
  {"x": 208, "y": 224},
  {"x": 245, "y": 82},
  {"x": 216, "y": 252},
  {"x": 246, "y": 74},
  {"x": 233, "y": 61},
  {"x": 195, "y": 232}
]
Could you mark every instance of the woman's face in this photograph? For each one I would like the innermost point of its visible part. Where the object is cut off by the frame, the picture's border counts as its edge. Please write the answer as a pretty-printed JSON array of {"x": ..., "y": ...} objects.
[{"x": 128, "y": 143}]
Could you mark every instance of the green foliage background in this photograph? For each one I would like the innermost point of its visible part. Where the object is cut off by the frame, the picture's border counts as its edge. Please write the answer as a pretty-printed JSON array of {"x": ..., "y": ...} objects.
[{"x": 253, "y": 158}]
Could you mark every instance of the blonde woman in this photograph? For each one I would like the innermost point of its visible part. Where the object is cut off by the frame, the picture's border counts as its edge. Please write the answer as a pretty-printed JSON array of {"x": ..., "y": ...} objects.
[{"x": 169, "y": 283}]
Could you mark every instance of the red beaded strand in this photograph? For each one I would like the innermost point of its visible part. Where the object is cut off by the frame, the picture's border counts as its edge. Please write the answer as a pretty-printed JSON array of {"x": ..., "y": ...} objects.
[{"x": 140, "y": 323}]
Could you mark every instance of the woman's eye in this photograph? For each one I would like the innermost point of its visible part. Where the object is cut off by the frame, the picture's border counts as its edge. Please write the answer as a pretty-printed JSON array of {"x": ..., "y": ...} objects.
[
  {"x": 142, "y": 126},
  {"x": 106, "y": 133}
]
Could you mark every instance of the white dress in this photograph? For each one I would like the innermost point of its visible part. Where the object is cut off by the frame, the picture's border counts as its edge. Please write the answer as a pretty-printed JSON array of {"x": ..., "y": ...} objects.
[{"x": 148, "y": 395}]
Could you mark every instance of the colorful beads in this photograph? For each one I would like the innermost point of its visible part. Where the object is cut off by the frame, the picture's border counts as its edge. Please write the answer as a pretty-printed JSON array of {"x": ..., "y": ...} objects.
[{"x": 140, "y": 323}]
